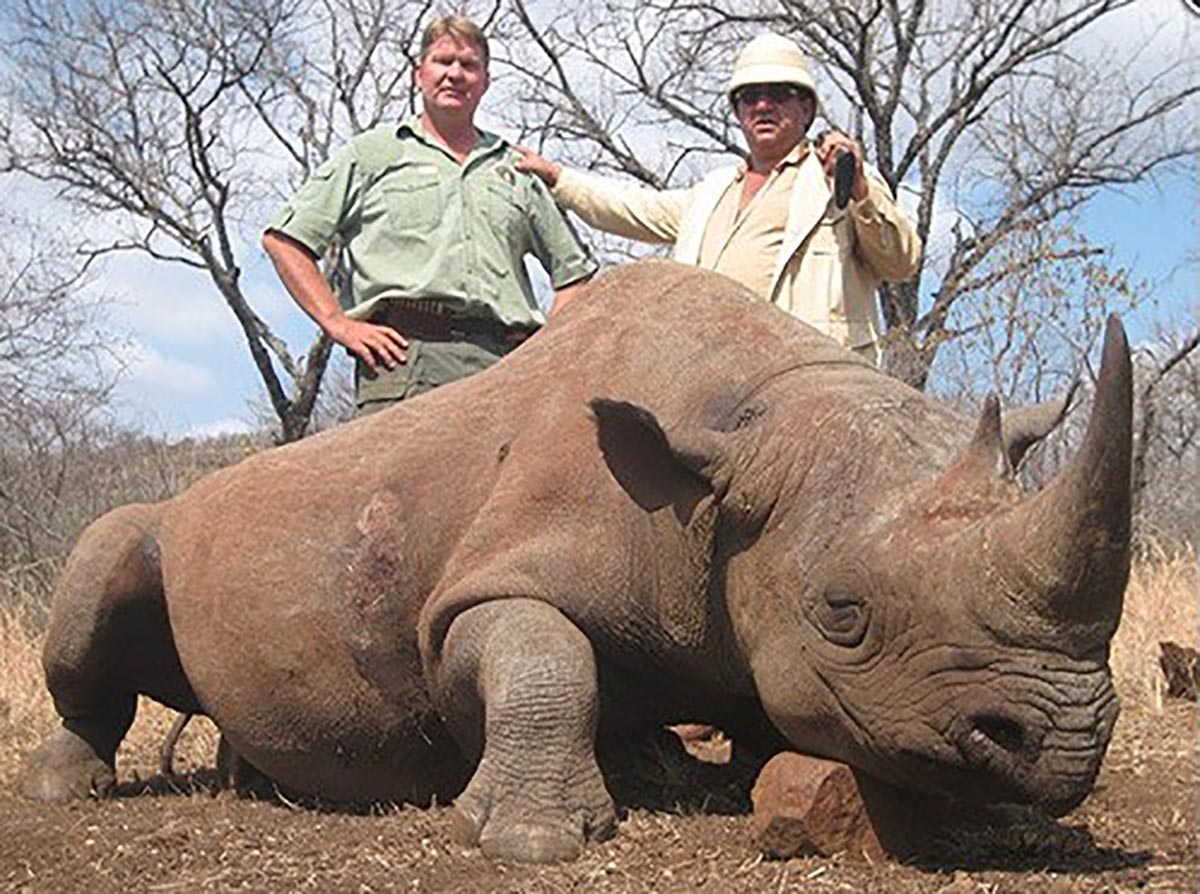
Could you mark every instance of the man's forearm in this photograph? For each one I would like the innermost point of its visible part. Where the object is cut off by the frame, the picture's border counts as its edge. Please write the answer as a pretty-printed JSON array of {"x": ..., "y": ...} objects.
[
  {"x": 634, "y": 212},
  {"x": 648, "y": 215},
  {"x": 302, "y": 278},
  {"x": 886, "y": 240}
]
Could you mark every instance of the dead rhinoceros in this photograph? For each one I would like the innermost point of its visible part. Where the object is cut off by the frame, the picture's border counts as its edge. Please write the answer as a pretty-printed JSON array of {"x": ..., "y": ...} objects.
[{"x": 674, "y": 503}]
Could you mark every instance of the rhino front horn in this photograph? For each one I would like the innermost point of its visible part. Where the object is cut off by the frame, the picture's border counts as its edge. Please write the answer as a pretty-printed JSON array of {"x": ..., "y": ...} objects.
[{"x": 1071, "y": 541}]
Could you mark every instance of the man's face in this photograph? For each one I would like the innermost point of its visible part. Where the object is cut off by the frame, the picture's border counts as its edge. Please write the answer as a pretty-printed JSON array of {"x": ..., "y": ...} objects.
[
  {"x": 452, "y": 77},
  {"x": 773, "y": 117}
]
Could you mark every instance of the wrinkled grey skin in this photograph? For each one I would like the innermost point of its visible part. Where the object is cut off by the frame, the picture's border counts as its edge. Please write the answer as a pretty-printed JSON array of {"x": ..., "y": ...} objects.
[{"x": 673, "y": 503}]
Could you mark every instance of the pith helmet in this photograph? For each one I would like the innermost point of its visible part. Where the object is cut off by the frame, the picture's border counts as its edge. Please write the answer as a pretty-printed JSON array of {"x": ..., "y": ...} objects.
[{"x": 771, "y": 59}]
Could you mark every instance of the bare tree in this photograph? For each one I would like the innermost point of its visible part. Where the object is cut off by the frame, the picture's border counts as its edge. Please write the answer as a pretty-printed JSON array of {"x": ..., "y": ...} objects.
[
  {"x": 992, "y": 115},
  {"x": 174, "y": 128},
  {"x": 1027, "y": 336},
  {"x": 51, "y": 341},
  {"x": 1166, "y": 456},
  {"x": 56, "y": 373}
]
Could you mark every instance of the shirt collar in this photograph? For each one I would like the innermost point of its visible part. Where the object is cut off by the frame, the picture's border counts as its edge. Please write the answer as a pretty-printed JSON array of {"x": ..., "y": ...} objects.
[
  {"x": 797, "y": 155},
  {"x": 793, "y": 158},
  {"x": 411, "y": 126}
]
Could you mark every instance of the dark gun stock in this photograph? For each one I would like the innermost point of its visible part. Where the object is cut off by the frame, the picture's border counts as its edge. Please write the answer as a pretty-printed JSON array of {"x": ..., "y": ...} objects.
[{"x": 843, "y": 179}]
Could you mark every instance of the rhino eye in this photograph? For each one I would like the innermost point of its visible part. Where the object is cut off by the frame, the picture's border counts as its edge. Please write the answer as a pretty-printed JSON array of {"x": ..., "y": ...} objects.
[{"x": 842, "y": 617}]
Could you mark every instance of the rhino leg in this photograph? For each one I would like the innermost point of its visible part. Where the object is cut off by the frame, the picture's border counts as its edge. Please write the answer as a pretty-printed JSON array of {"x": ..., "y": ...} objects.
[
  {"x": 518, "y": 687},
  {"x": 108, "y": 640},
  {"x": 235, "y": 773},
  {"x": 78, "y": 760}
]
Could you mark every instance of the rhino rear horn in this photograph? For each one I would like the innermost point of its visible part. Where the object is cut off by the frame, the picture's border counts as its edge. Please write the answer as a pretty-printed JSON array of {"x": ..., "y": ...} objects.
[
  {"x": 1072, "y": 539},
  {"x": 980, "y": 467},
  {"x": 1001, "y": 440},
  {"x": 986, "y": 452}
]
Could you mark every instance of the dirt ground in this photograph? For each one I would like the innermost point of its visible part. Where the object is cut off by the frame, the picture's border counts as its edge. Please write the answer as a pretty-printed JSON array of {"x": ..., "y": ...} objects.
[{"x": 1137, "y": 832}]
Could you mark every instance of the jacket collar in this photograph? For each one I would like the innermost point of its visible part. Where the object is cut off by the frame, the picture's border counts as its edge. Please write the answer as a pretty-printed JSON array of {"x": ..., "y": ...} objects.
[{"x": 811, "y": 196}]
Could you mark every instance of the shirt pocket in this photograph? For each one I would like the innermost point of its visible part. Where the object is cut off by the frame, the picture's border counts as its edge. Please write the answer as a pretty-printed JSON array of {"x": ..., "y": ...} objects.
[
  {"x": 502, "y": 207},
  {"x": 412, "y": 199}
]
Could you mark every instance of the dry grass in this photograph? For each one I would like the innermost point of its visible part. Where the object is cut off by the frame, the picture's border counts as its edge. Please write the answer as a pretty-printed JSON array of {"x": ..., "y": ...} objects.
[
  {"x": 27, "y": 715},
  {"x": 1161, "y": 604},
  {"x": 50, "y": 499}
]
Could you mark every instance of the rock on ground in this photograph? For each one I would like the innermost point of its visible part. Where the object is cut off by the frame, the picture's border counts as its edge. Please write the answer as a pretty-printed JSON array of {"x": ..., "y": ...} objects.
[{"x": 806, "y": 806}]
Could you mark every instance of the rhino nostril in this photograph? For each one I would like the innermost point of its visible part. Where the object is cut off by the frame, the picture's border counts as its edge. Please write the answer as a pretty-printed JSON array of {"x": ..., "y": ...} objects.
[{"x": 1006, "y": 733}]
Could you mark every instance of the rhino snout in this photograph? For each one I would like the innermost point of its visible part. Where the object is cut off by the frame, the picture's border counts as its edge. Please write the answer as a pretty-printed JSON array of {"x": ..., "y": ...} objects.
[{"x": 1019, "y": 763}]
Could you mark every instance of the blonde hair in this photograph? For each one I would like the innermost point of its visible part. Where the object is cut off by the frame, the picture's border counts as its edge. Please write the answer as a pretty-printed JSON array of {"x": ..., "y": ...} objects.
[{"x": 460, "y": 28}]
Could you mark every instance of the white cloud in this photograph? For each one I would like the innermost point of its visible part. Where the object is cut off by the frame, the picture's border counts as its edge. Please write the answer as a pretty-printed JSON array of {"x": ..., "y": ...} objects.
[
  {"x": 229, "y": 425},
  {"x": 149, "y": 371},
  {"x": 171, "y": 397},
  {"x": 166, "y": 302},
  {"x": 1145, "y": 32}
]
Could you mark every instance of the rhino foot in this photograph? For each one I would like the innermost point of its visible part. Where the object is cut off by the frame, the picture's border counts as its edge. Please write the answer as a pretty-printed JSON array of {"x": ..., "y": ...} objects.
[
  {"x": 66, "y": 768},
  {"x": 518, "y": 822},
  {"x": 519, "y": 672}
]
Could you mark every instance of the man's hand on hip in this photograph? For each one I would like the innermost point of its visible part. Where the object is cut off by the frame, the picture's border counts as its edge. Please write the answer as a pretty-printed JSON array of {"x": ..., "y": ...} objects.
[
  {"x": 373, "y": 344},
  {"x": 297, "y": 267}
]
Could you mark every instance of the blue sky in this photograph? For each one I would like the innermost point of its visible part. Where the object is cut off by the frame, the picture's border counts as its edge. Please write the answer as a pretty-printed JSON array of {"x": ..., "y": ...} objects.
[
  {"x": 188, "y": 370},
  {"x": 1152, "y": 229}
]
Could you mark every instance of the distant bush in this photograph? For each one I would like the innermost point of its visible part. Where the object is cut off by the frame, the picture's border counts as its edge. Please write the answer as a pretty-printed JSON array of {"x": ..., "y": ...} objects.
[{"x": 52, "y": 486}]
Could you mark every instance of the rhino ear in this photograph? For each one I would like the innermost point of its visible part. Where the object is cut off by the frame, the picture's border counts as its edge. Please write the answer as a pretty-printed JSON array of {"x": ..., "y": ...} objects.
[
  {"x": 1025, "y": 426},
  {"x": 654, "y": 467}
]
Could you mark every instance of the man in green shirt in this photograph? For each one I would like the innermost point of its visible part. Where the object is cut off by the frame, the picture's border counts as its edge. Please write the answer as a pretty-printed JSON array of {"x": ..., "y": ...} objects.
[{"x": 434, "y": 223}]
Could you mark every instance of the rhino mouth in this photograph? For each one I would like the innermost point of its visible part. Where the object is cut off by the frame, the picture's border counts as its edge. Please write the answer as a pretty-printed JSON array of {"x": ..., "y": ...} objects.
[{"x": 1006, "y": 760}]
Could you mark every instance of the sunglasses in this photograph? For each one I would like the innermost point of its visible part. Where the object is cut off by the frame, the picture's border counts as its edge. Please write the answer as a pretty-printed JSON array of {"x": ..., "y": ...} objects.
[{"x": 775, "y": 93}]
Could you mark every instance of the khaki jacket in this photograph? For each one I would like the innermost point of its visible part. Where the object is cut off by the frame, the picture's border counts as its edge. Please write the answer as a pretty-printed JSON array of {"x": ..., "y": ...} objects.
[{"x": 829, "y": 267}]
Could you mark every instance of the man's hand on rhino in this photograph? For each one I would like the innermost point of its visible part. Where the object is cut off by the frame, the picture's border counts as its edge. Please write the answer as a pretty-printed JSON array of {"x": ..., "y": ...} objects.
[
  {"x": 371, "y": 343},
  {"x": 532, "y": 163}
]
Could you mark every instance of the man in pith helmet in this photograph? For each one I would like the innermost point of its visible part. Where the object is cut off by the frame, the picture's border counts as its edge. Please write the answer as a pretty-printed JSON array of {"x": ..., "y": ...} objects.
[{"x": 770, "y": 221}]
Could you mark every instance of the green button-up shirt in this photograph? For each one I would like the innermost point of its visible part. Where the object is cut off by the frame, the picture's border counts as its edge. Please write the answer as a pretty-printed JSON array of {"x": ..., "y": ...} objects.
[{"x": 417, "y": 224}]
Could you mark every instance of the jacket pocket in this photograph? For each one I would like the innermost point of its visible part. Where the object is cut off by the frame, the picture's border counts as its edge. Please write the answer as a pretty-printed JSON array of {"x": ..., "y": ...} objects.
[{"x": 832, "y": 237}]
